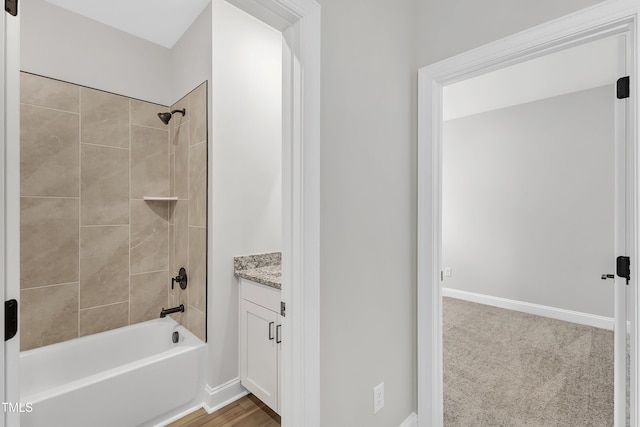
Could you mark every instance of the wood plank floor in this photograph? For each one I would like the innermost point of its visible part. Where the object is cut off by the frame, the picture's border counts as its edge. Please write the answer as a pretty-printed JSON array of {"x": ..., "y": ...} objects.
[{"x": 247, "y": 411}]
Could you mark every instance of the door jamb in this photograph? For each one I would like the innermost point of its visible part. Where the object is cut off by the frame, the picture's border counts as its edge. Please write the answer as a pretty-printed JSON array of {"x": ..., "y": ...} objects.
[
  {"x": 299, "y": 22},
  {"x": 11, "y": 206},
  {"x": 597, "y": 21}
]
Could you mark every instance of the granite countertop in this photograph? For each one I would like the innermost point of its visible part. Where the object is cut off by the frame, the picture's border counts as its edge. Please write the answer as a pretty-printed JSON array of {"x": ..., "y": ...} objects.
[{"x": 260, "y": 268}]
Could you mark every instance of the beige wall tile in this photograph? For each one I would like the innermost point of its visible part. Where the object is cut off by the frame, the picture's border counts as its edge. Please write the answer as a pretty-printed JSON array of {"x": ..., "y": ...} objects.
[
  {"x": 120, "y": 280},
  {"x": 146, "y": 114},
  {"x": 172, "y": 250},
  {"x": 104, "y": 265},
  {"x": 149, "y": 162},
  {"x": 48, "y": 315},
  {"x": 172, "y": 175},
  {"x": 181, "y": 147},
  {"x": 49, "y": 152},
  {"x": 180, "y": 296},
  {"x": 105, "y": 318},
  {"x": 197, "y": 267},
  {"x": 179, "y": 119},
  {"x": 105, "y": 118},
  {"x": 198, "y": 185},
  {"x": 198, "y": 119},
  {"x": 196, "y": 322},
  {"x": 149, "y": 236},
  {"x": 104, "y": 185},
  {"x": 49, "y": 241},
  {"x": 181, "y": 254},
  {"x": 148, "y": 296},
  {"x": 182, "y": 103},
  {"x": 45, "y": 92}
]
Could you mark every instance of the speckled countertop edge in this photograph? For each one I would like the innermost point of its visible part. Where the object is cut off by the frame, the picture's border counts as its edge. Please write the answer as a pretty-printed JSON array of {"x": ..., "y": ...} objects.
[{"x": 262, "y": 268}]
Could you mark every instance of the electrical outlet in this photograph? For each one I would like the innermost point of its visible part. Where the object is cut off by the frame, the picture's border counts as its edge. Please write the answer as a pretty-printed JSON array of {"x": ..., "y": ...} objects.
[
  {"x": 447, "y": 271},
  {"x": 378, "y": 397}
]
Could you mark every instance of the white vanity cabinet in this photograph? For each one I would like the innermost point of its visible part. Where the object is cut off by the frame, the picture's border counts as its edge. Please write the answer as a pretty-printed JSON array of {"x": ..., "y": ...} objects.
[{"x": 260, "y": 337}]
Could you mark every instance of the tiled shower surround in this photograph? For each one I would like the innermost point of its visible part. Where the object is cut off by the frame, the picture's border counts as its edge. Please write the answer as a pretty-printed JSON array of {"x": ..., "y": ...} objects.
[
  {"x": 94, "y": 255},
  {"x": 188, "y": 223}
]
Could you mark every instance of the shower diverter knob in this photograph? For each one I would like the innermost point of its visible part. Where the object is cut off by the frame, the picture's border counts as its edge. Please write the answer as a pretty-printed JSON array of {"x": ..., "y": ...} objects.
[{"x": 181, "y": 278}]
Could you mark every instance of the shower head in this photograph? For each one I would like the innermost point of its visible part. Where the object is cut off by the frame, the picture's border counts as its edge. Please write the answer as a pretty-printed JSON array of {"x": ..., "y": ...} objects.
[{"x": 165, "y": 117}]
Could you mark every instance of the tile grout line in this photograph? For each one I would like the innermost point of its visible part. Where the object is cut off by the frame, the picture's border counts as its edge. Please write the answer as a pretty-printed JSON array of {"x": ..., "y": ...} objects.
[
  {"x": 130, "y": 219},
  {"x": 150, "y": 272},
  {"x": 188, "y": 177},
  {"x": 103, "y": 305},
  {"x": 49, "y": 197},
  {"x": 144, "y": 126},
  {"x": 103, "y": 225},
  {"x": 103, "y": 146},
  {"x": 47, "y": 286},
  {"x": 50, "y": 108},
  {"x": 196, "y": 309},
  {"x": 206, "y": 209},
  {"x": 173, "y": 140},
  {"x": 170, "y": 216},
  {"x": 184, "y": 124},
  {"x": 79, "y": 201}
]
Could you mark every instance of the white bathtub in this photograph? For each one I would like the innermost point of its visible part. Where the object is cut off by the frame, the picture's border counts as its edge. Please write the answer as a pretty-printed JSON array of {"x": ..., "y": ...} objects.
[{"x": 132, "y": 376}]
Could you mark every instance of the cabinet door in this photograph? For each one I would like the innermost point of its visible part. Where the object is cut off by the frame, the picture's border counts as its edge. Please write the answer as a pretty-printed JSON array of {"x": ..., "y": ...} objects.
[{"x": 259, "y": 352}]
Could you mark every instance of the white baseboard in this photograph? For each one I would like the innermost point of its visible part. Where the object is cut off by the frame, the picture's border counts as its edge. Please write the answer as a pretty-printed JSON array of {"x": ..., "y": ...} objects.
[
  {"x": 222, "y": 395},
  {"x": 539, "y": 310},
  {"x": 411, "y": 421}
]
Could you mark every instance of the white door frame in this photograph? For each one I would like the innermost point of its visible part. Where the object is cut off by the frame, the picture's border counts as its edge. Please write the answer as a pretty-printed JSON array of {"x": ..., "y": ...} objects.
[
  {"x": 3, "y": 204},
  {"x": 10, "y": 210},
  {"x": 620, "y": 16},
  {"x": 299, "y": 22}
]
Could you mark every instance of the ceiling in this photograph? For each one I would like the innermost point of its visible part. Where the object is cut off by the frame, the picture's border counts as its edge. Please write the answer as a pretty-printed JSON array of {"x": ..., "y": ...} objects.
[
  {"x": 162, "y": 22},
  {"x": 578, "y": 68}
]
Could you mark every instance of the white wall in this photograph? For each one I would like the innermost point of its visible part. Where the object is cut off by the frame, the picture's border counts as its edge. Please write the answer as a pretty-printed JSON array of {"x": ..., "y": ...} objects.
[
  {"x": 60, "y": 44},
  {"x": 371, "y": 50},
  {"x": 246, "y": 193},
  {"x": 63, "y": 45},
  {"x": 190, "y": 57},
  {"x": 368, "y": 212},
  {"x": 528, "y": 195},
  {"x": 446, "y": 28},
  {"x": 569, "y": 70}
]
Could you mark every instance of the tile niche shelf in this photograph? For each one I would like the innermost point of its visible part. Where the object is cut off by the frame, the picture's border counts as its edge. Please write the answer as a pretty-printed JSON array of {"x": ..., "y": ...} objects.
[{"x": 159, "y": 198}]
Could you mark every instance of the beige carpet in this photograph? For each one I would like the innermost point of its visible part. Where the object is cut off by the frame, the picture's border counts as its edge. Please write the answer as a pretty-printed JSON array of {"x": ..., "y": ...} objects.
[{"x": 506, "y": 368}]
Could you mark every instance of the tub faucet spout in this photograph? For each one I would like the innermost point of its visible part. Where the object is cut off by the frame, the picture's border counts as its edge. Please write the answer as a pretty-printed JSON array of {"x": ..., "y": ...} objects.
[{"x": 164, "y": 312}]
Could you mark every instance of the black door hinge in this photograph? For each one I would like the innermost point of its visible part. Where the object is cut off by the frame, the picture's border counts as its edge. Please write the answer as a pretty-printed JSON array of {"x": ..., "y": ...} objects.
[
  {"x": 622, "y": 87},
  {"x": 11, "y": 6},
  {"x": 283, "y": 308},
  {"x": 10, "y": 319},
  {"x": 623, "y": 267}
]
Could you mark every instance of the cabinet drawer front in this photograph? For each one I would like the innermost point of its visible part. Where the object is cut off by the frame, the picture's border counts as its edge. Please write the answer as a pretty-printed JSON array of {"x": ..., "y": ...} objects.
[{"x": 262, "y": 295}]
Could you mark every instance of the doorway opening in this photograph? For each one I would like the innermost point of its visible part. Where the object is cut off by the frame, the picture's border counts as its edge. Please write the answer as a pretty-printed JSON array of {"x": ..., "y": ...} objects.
[
  {"x": 301, "y": 332},
  {"x": 528, "y": 324},
  {"x": 588, "y": 26},
  {"x": 299, "y": 23}
]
